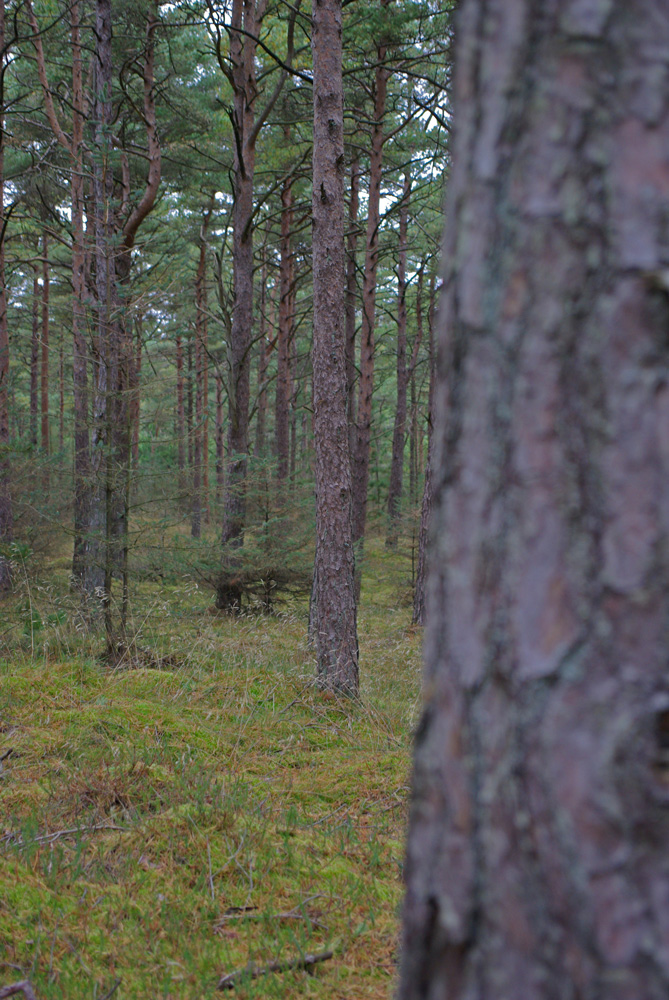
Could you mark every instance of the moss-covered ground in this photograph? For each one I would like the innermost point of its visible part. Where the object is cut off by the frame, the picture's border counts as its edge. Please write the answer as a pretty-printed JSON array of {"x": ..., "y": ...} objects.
[{"x": 203, "y": 806}]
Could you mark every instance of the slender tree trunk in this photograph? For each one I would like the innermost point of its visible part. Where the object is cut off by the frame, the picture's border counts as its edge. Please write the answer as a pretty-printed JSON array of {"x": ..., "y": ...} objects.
[
  {"x": 352, "y": 293},
  {"x": 44, "y": 370},
  {"x": 61, "y": 394},
  {"x": 34, "y": 358},
  {"x": 361, "y": 453},
  {"x": 426, "y": 507},
  {"x": 399, "y": 432},
  {"x": 242, "y": 54},
  {"x": 137, "y": 394},
  {"x": 333, "y": 606},
  {"x": 285, "y": 333},
  {"x": 99, "y": 556},
  {"x": 220, "y": 439},
  {"x": 181, "y": 416},
  {"x": 79, "y": 346},
  {"x": 6, "y": 521},
  {"x": 261, "y": 416},
  {"x": 189, "y": 397},
  {"x": 196, "y": 491},
  {"x": 201, "y": 436},
  {"x": 536, "y": 861},
  {"x": 245, "y": 21}
]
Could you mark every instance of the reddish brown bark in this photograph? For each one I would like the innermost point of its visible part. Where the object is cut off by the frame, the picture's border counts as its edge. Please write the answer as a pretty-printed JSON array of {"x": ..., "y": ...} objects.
[
  {"x": 536, "y": 861},
  {"x": 6, "y": 520},
  {"x": 399, "y": 428},
  {"x": 361, "y": 453},
  {"x": 333, "y": 610}
]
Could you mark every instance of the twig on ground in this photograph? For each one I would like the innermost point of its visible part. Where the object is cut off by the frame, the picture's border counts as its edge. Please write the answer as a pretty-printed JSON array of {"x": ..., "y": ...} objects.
[
  {"x": 14, "y": 988},
  {"x": 50, "y": 838},
  {"x": 251, "y": 971},
  {"x": 112, "y": 989}
]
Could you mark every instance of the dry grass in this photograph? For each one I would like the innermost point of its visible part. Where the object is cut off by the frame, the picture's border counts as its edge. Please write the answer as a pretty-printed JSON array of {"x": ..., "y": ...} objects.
[{"x": 167, "y": 824}]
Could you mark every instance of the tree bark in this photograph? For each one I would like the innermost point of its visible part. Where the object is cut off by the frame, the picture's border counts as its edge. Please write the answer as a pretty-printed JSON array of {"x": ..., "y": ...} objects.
[
  {"x": 418, "y": 617},
  {"x": 261, "y": 415},
  {"x": 79, "y": 345},
  {"x": 399, "y": 428},
  {"x": 34, "y": 358},
  {"x": 285, "y": 331},
  {"x": 44, "y": 368},
  {"x": 352, "y": 292},
  {"x": 536, "y": 861},
  {"x": 361, "y": 454},
  {"x": 181, "y": 416},
  {"x": 6, "y": 519},
  {"x": 334, "y": 610},
  {"x": 220, "y": 439},
  {"x": 244, "y": 30}
]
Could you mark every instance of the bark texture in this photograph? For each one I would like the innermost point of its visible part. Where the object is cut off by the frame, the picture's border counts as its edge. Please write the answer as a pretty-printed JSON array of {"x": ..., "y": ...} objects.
[
  {"x": 333, "y": 621},
  {"x": 285, "y": 331},
  {"x": 244, "y": 30},
  {"x": 399, "y": 428},
  {"x": 6, "y": 520},
  {"x": 537, "y": 863},
  {"x": 363, "y": 436}
]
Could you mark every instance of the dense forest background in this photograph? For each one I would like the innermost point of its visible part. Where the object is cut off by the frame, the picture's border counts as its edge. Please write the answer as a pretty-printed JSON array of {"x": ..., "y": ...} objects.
[
  {"x": 183, "y": 809},
  {"x": 190, "y": 413}
]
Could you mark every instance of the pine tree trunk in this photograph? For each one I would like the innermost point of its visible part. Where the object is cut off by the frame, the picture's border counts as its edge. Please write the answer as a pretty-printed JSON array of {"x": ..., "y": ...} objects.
[
  {"x": 137, "y": 394},
  {"x": 242, "y": 55},
  {"x": 399, "y": 432},
  {"x": 333, "y": 606},
  {"x": 6, "y": 520},
  {"x": 285, "y": 335},
  {"x": 536, "y": 861},
  {"x": 34, "y": 358},
  {"x": 261, "y": 416},
  {"x": 220, "y": 440},
  {"x": 352, "y": 293},
  {"x": 361, "y": 454},
  {"x": 189, "y": 398},
  {"x": 79, "y": 346},
  {"x": 181, "y": 416},
  {"x": 418, "y": 617},
  {"x": 61, "y": 394},
  {"x": 44, "y": 369}
]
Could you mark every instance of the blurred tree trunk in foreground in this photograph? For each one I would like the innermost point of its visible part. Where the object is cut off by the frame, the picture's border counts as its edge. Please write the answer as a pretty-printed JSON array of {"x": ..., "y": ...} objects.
[{"x": 537, "y": 864}]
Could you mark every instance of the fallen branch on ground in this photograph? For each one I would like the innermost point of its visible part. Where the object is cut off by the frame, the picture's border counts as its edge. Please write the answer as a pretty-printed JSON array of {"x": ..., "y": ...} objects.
[
  {"x": 14, "y": 988},
  {"x": 49, "y": 838},
  {"x": 251, "y": 971}
]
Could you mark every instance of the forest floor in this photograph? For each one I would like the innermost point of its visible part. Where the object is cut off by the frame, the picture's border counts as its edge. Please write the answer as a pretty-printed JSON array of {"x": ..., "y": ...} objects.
[{"x": 164, "y": 824}]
